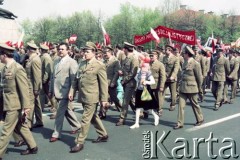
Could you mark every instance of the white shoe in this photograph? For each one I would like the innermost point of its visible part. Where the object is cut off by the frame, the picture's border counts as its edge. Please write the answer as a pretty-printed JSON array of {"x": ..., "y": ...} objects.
[
  {"x": 156, "y": 120},
  {"x": 134, "y": 126}
]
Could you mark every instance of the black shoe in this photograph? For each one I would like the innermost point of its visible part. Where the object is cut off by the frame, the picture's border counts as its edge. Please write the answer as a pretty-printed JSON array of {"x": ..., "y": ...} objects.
[
  {"x": 53, "y": 116},
  {"x": 177, "y": 127},
  {"x": 221, "y": 103},
  {"x": 20, "y": 143},
  {"x": 37, "y": 125},
  {"x": 101, "y": 139},
  {"x": 145, "y": 115},
  {"x": 76, "y": 148},
  {"x": 120, "y": 122},
  {"x": 199, "y": 123},
  {"x": 172, "y": 108},
  {"x": 30, "y": 151},
  {"x": 102, "y": 115}
]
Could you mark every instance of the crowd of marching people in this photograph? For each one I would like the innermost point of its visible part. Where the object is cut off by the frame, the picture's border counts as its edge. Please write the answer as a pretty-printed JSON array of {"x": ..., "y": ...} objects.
[{"x": 123, "y": 76}]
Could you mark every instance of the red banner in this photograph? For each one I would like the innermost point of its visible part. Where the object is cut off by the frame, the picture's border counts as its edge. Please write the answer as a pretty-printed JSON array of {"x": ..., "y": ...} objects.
[{"x": 188, "y": 37}]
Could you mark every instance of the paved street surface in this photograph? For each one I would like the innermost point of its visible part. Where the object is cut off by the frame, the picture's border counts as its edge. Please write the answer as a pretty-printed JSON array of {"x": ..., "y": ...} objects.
[{"x": 126, "y": 144}]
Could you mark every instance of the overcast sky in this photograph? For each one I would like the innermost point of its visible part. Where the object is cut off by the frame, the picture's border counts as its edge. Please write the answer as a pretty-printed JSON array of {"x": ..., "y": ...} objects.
[{"x": 34, "y": 9}]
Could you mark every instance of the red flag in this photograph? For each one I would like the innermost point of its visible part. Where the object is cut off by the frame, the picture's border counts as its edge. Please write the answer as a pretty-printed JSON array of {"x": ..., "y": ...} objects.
[
  {"x": 106, "y": 37},
  {"x": 98, "y": 45},
  {"x": 9, "y": 43},
  {"x": 72, "y": 39}
]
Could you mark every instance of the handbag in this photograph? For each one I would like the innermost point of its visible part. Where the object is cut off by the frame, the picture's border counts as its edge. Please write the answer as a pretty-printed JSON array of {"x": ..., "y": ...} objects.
[{"x": 145, "y": 96}]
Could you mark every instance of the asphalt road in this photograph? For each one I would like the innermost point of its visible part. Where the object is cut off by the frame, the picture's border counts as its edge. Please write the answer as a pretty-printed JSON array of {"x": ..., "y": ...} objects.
[{"x": 221, "y": 131}]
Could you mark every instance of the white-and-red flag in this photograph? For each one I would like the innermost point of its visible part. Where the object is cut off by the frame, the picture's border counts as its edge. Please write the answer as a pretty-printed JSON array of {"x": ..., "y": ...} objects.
[
  {"x": 155, "y": 36},
  {"x": 72, "y": 39},
  {"x": 106, "y": 36}
]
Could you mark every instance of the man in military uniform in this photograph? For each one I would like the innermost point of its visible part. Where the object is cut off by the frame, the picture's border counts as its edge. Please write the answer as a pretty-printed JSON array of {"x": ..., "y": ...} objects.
[
  {"x": 64, "y": 70},
  {"x": 92, "y": 85},
  {"x": 112, "y": 67},
  {"x": 54, "y": 52},
  {"x": 159, "y": 74},
  {"x": 1, "y": 96},
  {"x": 237, "y": 55},
  {"x": 219, "y": 72},
  {"x": 33, "y": 69},
  {"x": 16, "y": 98},
  {"x": 202, "y": 61},
  {"x": 190, "y": 83},
  {"x": 99, "y": 55},
  {"x": 161, "y": 53},
  {"x": 232, "y": 77},
  {"x": 172, "y": 65},
  {"x": 47, "y": 70},
  {"x": 129, "y": 67},
  {"x": 205, "y": 71}
]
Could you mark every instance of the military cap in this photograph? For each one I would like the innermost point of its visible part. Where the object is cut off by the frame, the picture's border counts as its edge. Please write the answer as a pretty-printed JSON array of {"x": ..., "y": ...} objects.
[
  {"x": 99, "y": 51},
  {"x": 189, "y": 50},
  {"x": 160, "y": 48},
  {"x": 44, "y": 47},
  {"x": 108, "y": 48},
  {"x": 218, "y": 50},
  {"x": 90, "y": 45},
  {"x": 128, "y": 46},
  {"x": 31, "y": 44},
  {"x": 140, "y": 47},
  {"x": 3, "y": 46},
  {"x": 195, "y": 48},
  {"x": 203, "y": 52},
  {"x": 153, "y": 51},
  {"x": 169, "y": 46}
]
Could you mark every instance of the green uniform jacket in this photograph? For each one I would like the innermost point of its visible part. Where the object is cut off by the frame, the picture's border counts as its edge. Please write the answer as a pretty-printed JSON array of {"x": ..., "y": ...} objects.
[
  {"x": 172, "y": 65},
  {"x": 1, "y": 70},
  {"x": 15, "y": 91},
  {"x": 91, "y": 82},
  {"x": 191, "y": 78},
  {"x": 129, "y": 68},
  {"x": 238, "y": 58},
  {"x": 33, "y": 69},
  {"x": 54, "y": 57},
  {"x": 159, "y": 74},
  {"x": 47, "y": 67},
  {"x": 220, "y": 69},
  {"x": 113, "y": 66},
  {"x": 207, "y": 68},
  {"x": 234, "y": 66},
  {"x": 202, "y": 61}
]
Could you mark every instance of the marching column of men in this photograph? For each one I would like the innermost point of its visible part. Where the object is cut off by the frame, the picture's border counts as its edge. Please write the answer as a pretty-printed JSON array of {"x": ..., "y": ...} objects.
[{"x": 94, "y": 75}]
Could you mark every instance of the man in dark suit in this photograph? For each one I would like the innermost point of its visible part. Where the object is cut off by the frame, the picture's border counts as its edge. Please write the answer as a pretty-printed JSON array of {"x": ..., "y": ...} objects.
[{"x": 63, "y": 75}]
